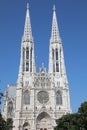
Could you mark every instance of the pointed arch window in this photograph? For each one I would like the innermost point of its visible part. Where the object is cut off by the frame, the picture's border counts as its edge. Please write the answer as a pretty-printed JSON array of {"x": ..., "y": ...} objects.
[
  {"x": 53, "y": 67},
  {"x": 26, "y": 97},
  {"x": 27, "y": 53},
  {"x": 31, "y": 60},
  {"x": 23, "y": 59},
  {"x": 57, "y": 67},
  {"x": 56, "y": 54},
  {"x": 53, "y": 54},
  {"x": 10, "y": 108},
  {"x": 58, "y": 97},
  {"x": 53, "y": 60},
  {"x": 27, "y": 66}
]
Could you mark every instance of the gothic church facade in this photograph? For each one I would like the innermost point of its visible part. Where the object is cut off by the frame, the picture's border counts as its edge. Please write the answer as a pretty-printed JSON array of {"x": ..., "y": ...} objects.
[{"x": 38, "y": 98}]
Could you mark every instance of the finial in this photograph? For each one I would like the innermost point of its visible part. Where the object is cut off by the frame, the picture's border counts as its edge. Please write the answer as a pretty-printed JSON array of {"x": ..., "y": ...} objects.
[
  {"x": 27, "y": 5},
  {"x": 54, "y": 8}
]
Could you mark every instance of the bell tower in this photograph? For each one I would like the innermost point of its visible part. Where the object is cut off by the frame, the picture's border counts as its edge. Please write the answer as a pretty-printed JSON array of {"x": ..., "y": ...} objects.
[
  {"x": 56, "y": 58},
  {"x": 27, "y": 61},
  {"x": 24, "y": 89},
  {"x": 57, "y": 69}
]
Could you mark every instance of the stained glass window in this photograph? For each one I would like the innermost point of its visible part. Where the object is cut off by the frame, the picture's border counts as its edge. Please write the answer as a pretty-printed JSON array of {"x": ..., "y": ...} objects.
[{"x": 43, "y": 97}]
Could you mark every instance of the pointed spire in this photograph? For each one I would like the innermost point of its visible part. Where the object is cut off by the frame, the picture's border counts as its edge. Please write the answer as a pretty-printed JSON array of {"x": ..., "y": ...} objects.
[
  {"x": 55, "y": 31},
  {"x": 27, "y": 5},
  {"x": 27, "y": 28},
  {"x": 54, "y": 8}
]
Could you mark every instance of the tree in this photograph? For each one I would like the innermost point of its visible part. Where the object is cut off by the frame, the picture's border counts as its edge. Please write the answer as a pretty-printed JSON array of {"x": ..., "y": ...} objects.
[
  {"x": 68, "y": 121},
  {"x": 2, "y": 123},
  {"x": 9, "y": 124},
  {"x": 82, "y": 111},
  {"x": 5, "y": 125},
  {"x": 83, "y": 108},
  {"x": 74, "y": 121}
]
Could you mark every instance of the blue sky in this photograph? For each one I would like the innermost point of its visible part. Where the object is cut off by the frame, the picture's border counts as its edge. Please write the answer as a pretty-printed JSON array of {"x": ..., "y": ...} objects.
[{"x": 72, "y": 21}]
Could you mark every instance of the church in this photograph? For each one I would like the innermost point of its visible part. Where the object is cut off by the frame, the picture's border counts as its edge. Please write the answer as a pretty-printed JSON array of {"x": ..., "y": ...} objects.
[{"x": 38, "y": 98}]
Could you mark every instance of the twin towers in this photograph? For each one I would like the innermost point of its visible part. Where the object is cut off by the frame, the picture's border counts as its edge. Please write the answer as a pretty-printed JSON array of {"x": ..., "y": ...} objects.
[{"x": 56, "y": 58}]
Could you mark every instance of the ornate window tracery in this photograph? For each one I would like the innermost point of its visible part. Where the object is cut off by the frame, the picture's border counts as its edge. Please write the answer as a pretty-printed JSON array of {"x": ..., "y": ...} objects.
[
  {"x": 43, "y": 97},
  {"x": 42, "y": 80}
]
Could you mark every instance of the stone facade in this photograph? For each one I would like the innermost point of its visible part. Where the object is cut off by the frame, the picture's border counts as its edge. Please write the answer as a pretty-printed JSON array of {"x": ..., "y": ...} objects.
[{"x": 38, "y": 98}]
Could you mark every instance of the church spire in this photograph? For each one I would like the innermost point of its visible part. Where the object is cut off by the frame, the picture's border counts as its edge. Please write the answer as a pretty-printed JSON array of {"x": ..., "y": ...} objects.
[
  {"x": 27, "y": 61},
  {"x": 56, "y": 57},
  {"x": 27, "y": 27},
  {"x": 55, "y": 31}
]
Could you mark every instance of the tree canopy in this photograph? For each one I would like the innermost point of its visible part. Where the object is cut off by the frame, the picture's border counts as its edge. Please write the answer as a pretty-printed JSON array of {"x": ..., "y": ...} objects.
[
  {"x": 2, "y": 123},
  {"x": 76, "y": 121},
  {"x": 5, "y": 125}
]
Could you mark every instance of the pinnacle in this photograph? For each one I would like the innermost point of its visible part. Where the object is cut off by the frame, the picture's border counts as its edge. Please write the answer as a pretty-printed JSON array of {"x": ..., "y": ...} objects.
[
  {"x": 27, "y": 5},
  {"x": 27, "y": 28},
  {"x": 54, "y": 8},
  {"x": 55, "y": 31}
]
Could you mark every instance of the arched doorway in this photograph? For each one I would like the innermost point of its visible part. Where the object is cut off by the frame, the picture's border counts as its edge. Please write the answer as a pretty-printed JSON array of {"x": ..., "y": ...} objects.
[{"x": 43, "y": 122}]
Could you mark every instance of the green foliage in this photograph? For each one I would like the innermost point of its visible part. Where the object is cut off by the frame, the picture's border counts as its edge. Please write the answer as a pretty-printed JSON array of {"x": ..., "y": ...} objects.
[
  {"x": 5, "y": 125},
  {"x": 83, "y": 108},
  {"x": 74, "y": 121},
  {"x": 2, "y": 123},
  {"x": 82, "y": 111},
  {"x": 68, "y": 121},
  {"x": 9, "y": 124}
]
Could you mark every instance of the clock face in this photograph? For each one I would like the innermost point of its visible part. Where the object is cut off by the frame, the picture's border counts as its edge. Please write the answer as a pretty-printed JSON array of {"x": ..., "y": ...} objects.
[{"x": 43, "y": 97}]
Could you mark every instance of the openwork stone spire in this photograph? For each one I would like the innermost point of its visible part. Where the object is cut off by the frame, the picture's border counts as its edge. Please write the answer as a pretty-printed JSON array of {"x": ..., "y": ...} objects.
[
  {"x": 27, "y": 61},
  {"x": 56, "y": 57},
  {"x": 55, "y": 31},
  {"x": 27, "y": 28}
]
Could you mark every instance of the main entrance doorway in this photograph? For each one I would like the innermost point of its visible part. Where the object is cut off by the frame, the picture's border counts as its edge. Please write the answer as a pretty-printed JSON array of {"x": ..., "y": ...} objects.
[
  {"x": 26, "y": 126},
  {"x": 43, "y": 129},
  {"x": 43, "y": 122}
]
